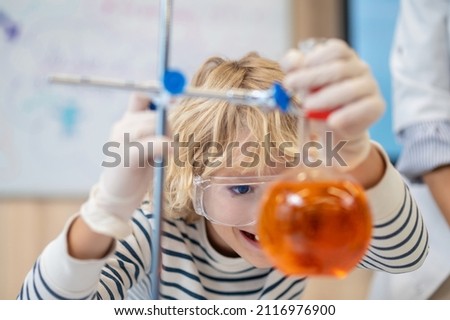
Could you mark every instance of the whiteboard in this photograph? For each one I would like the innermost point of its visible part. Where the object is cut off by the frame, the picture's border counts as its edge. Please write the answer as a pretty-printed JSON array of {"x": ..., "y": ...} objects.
[{"x": 51, "y": 136}]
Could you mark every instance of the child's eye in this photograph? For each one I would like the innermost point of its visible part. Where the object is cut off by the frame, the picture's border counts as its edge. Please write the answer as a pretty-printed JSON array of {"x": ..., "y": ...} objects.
[{"x": 242, "y": 189}]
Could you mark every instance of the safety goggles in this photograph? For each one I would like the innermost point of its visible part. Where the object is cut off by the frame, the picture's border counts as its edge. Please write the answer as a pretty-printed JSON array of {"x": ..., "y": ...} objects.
[{"x": 230, "y": 201}]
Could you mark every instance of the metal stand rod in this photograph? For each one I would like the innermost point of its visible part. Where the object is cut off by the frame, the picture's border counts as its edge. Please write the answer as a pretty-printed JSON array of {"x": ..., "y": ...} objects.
[{"x": 158, "y": 187}]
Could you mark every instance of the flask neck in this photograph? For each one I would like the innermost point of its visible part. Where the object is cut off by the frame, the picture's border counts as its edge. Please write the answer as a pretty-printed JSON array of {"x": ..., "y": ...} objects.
[{"x": 312, "y": 139}]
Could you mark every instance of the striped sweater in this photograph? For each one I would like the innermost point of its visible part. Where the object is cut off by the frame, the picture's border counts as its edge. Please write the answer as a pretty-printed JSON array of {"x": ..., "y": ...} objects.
[{"x": 193, "y": 269}]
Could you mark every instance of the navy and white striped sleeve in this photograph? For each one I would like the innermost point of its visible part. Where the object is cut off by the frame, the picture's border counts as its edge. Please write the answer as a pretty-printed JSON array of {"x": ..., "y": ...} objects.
[
  {"x": 400, "y": 238},
  {"x": 130, "y": 263},
  {"x": 56, "y": 275}
]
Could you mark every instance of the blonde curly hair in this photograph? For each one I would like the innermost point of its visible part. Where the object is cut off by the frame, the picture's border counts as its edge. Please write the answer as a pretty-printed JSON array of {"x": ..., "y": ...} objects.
[{"x": 206, "y": 120}]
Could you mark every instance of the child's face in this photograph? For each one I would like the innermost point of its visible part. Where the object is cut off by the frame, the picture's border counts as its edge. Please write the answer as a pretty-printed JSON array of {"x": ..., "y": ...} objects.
[{"x": 231, "y": 204}]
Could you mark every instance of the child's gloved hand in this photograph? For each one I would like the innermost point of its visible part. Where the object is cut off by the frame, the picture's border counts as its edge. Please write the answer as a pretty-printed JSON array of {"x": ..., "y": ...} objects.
[
  {"x": 122, "y": 187},
  {"x": 334, "y": 77}
]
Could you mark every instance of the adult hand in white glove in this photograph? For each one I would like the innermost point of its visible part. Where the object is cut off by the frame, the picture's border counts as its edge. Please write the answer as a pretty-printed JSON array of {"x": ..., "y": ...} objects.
[
  {"x": 121, "y": 188},
  {"x": 335, "y": 78}
]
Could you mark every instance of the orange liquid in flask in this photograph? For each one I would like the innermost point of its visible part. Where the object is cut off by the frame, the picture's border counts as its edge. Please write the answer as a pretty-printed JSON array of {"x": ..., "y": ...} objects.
[{"x": 315, "y": 227}]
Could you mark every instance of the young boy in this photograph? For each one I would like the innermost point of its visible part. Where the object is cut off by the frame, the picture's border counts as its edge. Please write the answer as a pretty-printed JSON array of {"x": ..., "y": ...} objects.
[{"x": 210, "y": 248}]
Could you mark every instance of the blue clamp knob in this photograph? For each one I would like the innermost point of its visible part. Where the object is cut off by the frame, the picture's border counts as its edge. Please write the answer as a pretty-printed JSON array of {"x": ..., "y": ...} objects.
[
  {"x": 281, "y": 97},
  {"x": 174, "y": 82}
]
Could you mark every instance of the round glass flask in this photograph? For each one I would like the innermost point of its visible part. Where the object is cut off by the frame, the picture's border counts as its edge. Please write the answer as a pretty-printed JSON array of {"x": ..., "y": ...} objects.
[{"x": 315, "y": 220}]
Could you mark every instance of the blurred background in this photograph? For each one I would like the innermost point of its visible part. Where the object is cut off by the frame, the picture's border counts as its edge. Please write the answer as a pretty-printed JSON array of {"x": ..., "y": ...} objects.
[{"x": 51, "y": 136}]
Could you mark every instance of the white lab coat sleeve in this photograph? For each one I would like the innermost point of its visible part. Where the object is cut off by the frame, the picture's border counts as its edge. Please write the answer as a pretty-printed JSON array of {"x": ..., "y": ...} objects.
[{"x": 420, "y": 63}]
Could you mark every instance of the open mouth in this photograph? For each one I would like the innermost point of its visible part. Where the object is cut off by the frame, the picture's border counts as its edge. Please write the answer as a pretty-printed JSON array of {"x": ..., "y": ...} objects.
[{"x": 250, "y": 236}]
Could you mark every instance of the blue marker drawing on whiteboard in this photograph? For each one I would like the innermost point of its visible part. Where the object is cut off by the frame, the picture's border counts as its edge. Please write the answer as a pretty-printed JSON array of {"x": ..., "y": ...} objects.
[
  {"x": 69, "y": 116},
  {"x": 10, "y": 28}
]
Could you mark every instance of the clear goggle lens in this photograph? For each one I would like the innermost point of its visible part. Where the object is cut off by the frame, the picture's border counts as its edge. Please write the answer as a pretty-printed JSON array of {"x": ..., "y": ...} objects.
[{"x": 231, "y": 201}]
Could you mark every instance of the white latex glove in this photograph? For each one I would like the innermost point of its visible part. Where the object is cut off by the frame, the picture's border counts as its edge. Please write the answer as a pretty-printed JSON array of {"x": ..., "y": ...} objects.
[
  {"x": 336, "y": 78},
  {"x": 121, "y": 189}
]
